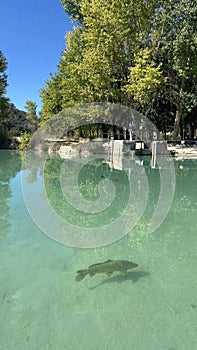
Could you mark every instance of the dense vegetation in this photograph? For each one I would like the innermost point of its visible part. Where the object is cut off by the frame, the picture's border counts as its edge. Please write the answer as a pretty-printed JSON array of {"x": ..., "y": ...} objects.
[
  {"x": 13, "y": 122},
  {"x": 3, "y": 86},
  {"x": 140, "y": 54},
  {"x": 11, "y": 162}
]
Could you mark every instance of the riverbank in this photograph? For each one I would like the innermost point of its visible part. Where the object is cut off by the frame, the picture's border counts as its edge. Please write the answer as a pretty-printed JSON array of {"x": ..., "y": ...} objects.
[
  {"x": 69, "y": 148},
  {"x": 130, "y": 148},
  {"x": 182, "y": 150}
]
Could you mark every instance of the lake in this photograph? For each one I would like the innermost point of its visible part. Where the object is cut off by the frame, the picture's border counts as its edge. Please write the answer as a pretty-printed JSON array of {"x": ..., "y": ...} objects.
[{"x": 47, "y": 233}]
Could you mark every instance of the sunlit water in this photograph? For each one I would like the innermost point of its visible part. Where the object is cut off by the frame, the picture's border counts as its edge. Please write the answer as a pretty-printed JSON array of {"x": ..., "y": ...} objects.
[{"x": 153, "y": 307}]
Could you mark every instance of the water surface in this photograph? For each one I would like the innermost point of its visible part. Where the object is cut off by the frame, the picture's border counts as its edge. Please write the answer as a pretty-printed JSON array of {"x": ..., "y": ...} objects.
[{"x": 152, "y": 307}]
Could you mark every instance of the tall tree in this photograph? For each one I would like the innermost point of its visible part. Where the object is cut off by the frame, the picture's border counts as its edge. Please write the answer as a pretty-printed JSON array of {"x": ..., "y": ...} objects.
[
  {"x": 3, "y": 87},
  {"x": 134, "y": 53},
  {"x": 175, "y": 41},
  {"x": 145, "y": 78},
  {"x": 113, "y": 31},
  {"x": 72, "y": 8},
  {"x": 95, "y": 65},
  {"x": 51, "y": 97},
  {"x": 72, "y": 82},
  {"x": 31, "y": 108}
]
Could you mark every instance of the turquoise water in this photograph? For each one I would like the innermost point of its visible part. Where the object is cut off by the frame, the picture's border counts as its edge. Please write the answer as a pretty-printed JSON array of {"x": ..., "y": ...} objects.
[{"x": 42, "y": 306}]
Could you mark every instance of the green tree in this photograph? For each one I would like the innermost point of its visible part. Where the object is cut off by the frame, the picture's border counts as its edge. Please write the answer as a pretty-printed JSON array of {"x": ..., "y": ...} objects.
[
  {"x": 31, "y": 108},
  {"x": 31, "y": 116},
  {"x": 136, "y": 53},
  {"x": 175, "y": 42},
  {"x": 95, "y": 66},
  {"x": 145, "y": 78},
  {"x": 51, "y": 97},
  {"x": 72, "y": 8},
  {"x": 72, "y": 82},
  {"x": 114, "y": 31},
  {"x": 3, "y": 87}
]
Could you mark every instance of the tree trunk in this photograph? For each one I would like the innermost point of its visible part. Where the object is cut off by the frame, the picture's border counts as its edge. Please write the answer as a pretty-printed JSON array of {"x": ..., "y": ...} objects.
[
  {"x": 114, "y": 132},
  {"x": 80, "y": 131},
  {"x": 177, "y": 122}
]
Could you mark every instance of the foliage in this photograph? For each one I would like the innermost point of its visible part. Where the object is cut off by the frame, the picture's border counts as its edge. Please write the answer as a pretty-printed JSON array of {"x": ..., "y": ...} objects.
[
  {"x": 31, "y": 110},
  {"x": 13, "y": 122},
  {"x": 24, "y": 141},
  {"x": 140, "y": 54},
  {"x": 17, "y": 122},
  {"x": 72, "y": 7},
  {"x": 160, "y": 111},
  {"x": 4, "y": 138},
  {"x": 51, "y": 97},
  {"x": 175, "y": 42},
  {"x": 145, "y": 78},
  {"x": 3, "y": 86},
  {"x": 31, "y": 116},
  {"x": 95, "y": 64}
]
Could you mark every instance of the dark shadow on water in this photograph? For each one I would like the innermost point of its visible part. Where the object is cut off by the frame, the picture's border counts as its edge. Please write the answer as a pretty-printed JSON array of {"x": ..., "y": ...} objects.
[{"x": 133, "y": 276}]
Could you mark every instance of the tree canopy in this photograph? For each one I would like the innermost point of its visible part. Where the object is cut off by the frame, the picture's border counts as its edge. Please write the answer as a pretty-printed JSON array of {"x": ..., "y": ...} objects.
[
  {"x": 141, "y": 54},
  {"x": 175, "y": 40},
  {"x": 3, "y": 86},
  {"x": 31, "y": 108}
]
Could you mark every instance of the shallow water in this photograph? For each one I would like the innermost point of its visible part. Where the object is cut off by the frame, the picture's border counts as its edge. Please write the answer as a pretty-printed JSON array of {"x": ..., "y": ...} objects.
[{"x": 42, "y": 306}]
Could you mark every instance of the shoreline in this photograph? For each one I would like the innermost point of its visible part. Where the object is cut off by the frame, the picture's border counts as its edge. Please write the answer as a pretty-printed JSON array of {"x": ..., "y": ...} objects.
[
  {"x": 182, "y": 151},
  {"x": 177, "y": 151}
]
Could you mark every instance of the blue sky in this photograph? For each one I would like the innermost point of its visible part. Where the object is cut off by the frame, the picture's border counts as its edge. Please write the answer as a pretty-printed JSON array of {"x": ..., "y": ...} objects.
[{"x": 32, "y": 37}]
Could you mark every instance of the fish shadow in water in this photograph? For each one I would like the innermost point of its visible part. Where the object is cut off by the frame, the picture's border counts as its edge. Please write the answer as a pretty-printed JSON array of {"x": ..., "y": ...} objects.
[{"x": 133, "y": 276}]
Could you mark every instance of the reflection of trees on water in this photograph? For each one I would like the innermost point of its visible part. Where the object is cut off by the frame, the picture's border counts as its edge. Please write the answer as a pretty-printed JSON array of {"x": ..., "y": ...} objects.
[
  {"x": 186, "y": 188},
  {"x": 88, "y": 180},
  {"x": 33, "y": 162},
  {"x": 93, "y": 172},
  {"x": 10, "y": 165},
  {"x": 5, "y": 194}
]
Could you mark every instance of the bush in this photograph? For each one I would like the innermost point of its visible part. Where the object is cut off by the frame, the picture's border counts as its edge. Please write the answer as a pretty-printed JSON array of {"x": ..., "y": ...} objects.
[
  {"x": 4, "y": 139},
  {"x": 24, "y": 141}
]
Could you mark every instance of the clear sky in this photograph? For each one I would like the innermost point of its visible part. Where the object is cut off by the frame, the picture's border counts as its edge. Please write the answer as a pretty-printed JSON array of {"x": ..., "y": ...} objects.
[{"x": 32, "y": 37}]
